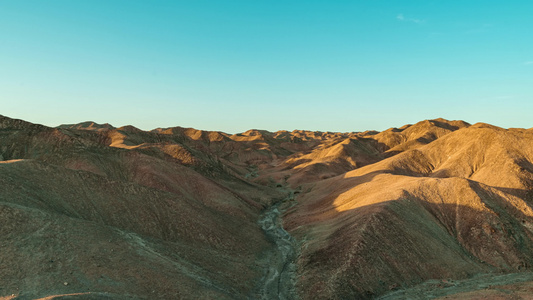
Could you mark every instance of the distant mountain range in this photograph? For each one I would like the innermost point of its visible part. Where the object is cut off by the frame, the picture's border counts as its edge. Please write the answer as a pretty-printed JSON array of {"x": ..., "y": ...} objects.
[{"x": 435, "y": 209}]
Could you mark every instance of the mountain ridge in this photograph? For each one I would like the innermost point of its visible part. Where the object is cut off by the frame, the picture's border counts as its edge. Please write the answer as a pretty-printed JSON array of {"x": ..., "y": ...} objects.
[{"x": 371, "y": 212}]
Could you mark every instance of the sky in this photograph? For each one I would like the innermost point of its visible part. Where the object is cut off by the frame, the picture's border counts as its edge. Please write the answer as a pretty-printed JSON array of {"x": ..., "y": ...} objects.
[{"x": 240, "y": 64}]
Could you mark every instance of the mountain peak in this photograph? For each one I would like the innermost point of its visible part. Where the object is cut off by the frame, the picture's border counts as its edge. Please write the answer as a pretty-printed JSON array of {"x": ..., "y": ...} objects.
[{"x": 87, "y": 125}]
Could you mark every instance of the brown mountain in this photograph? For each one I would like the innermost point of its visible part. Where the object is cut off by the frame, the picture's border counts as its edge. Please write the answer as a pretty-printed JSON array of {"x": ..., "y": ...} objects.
[
  {"x": 436, "y": 208},
  {"x": 453, "y": 208},
  {"x": 89, "y": 125}
]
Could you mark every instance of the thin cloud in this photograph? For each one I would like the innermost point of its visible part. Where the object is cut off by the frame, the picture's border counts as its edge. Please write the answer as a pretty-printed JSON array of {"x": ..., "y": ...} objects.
[
  {"x": 402, "y": 18},
  {"x": 527, "y": 63}
]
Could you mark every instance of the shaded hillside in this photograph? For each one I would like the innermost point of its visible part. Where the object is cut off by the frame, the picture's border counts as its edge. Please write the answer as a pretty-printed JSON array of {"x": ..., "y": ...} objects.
[
  {"x": 99, "y": 235},
  {"x": 171, "y": 230}
]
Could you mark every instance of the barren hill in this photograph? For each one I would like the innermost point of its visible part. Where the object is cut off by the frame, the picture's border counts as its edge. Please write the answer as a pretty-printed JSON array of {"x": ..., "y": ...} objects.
[{"x": 120, "y": 213}]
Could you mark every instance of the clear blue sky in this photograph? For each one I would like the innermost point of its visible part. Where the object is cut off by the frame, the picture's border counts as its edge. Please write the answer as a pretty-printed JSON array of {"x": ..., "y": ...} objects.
[{"x": 241, "y": 64}]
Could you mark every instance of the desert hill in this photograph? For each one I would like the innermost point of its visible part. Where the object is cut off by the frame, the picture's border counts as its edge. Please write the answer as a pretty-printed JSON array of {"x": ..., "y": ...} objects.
[
  {"x": 452, "y": 208},
  {"x": 122, "y": 213},
  {"x": 177, "y": 232}
]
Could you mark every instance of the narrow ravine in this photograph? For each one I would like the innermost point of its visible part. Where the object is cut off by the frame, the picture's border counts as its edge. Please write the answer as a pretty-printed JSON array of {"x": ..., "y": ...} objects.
[{"x": 278, "y": 282}]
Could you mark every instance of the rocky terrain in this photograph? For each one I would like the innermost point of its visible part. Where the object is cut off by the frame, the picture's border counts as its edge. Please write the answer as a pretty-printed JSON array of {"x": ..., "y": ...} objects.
[{"x": 435, "y": 209}]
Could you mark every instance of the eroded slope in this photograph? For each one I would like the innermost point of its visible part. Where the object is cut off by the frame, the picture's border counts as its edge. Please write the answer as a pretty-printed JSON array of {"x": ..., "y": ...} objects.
[
  {"x": 456, "y": 207},
  {"x": 174, "y": 212}
]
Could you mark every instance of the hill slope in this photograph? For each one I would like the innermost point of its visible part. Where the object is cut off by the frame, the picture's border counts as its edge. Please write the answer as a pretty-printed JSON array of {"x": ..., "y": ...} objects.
[
  {"x": 455, "y": 207},
  {"x": 175, "y": 212}
]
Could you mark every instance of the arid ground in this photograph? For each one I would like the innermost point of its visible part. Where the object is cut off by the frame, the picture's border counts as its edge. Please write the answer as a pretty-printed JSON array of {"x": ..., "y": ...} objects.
[{"x": 439, "y": 209}]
